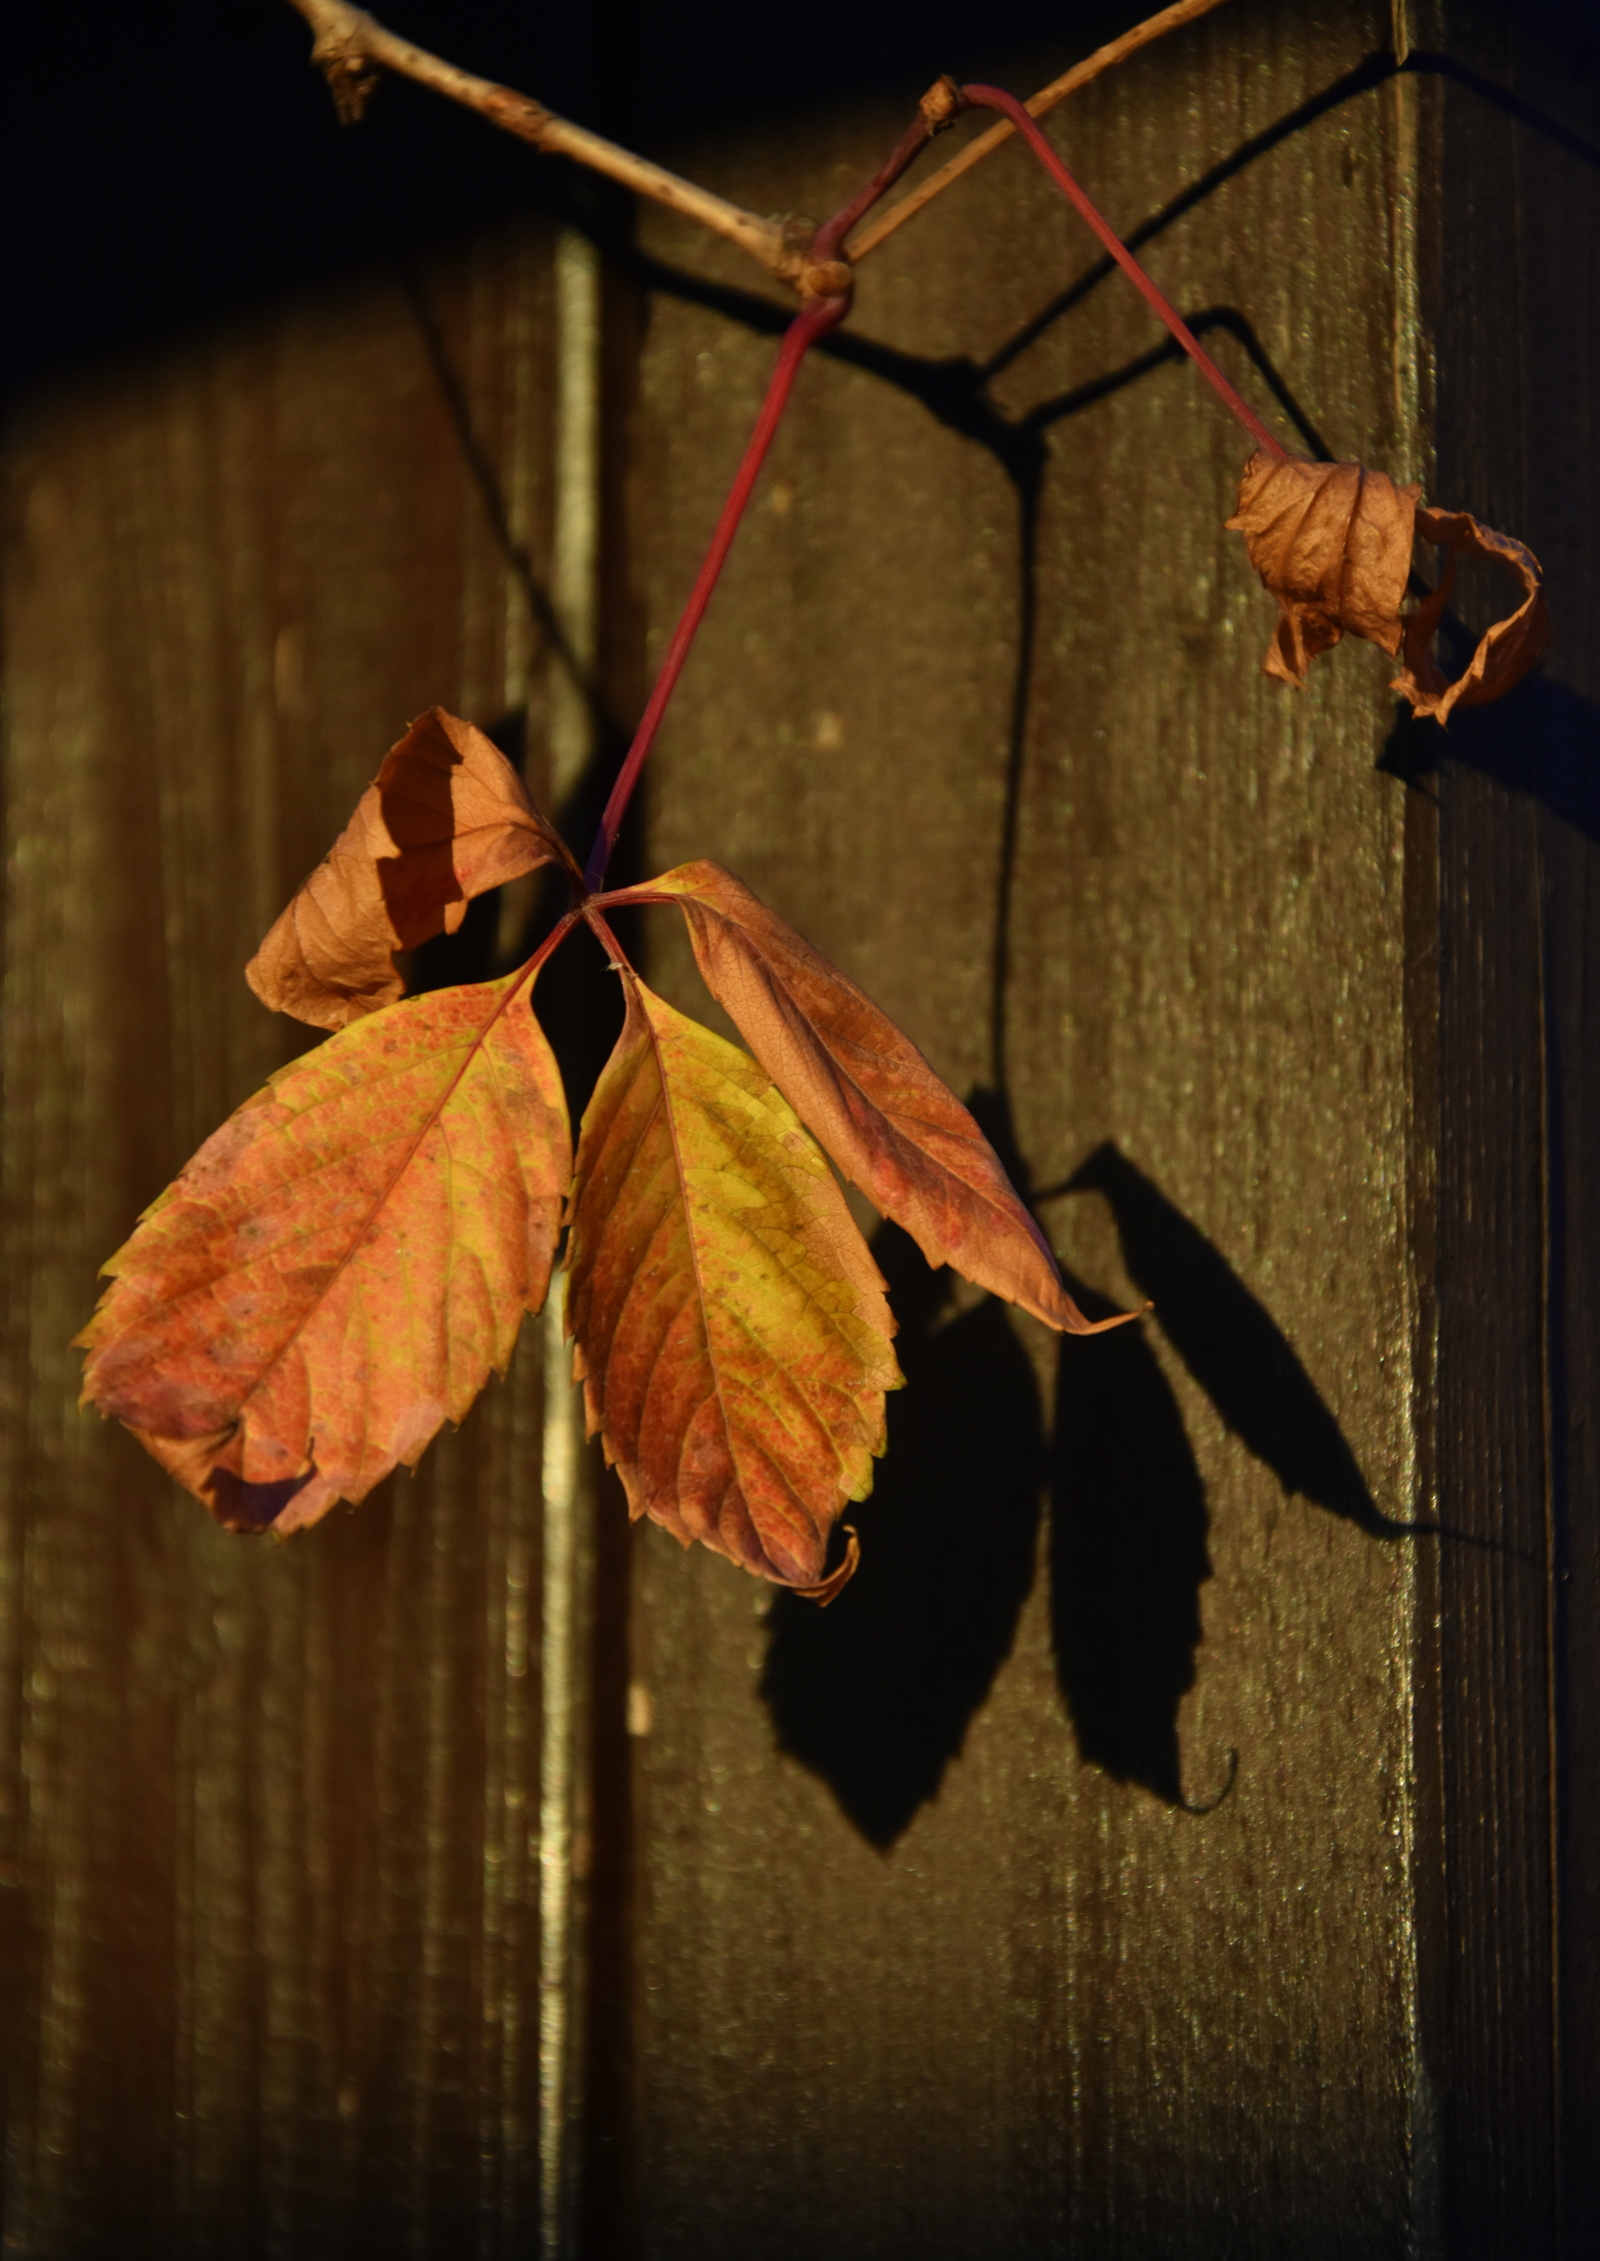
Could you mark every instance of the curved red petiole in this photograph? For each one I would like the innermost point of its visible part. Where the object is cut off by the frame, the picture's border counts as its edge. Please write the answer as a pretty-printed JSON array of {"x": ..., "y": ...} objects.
[
  {"x": 814, "y": 322},
  {"x": 996, "y": 98}
]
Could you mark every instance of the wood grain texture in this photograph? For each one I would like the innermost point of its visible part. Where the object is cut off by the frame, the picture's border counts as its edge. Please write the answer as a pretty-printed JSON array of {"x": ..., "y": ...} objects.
[
  {"x": 1511, "y": 2033},
  {"x": 1010, "y": 2002},
  {"x": 911, "y": 1930},
  {"x": 271, "y": 1955}
]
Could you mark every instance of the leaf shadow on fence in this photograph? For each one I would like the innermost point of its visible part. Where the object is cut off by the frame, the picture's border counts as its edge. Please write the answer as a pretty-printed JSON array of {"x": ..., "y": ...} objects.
[
  {"x": 1128, "y": 1511},
  {"x": 1233, "y": 1347},
  {"x": 876, "y": 1693},
  {"x": 1127, "y": 1553}
]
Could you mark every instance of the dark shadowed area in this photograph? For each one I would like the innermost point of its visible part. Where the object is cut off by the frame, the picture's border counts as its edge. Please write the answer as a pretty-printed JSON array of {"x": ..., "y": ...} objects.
[
  {"x": 1127, "y": 1553},
  {"x": 1231, "y": 1345},
  {"x": 876, "y": 1692}
]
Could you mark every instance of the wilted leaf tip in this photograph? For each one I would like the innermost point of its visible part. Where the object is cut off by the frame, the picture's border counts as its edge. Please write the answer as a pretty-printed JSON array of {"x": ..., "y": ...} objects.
[
  {"x": 831, "y": 1587},
  {"x": 1508, "y": 648}
]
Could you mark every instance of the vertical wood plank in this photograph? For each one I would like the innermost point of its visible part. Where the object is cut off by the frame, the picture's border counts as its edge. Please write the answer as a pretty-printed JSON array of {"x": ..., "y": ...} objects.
[
  {"x": 272, "y": 1813},
  {"x": 915, "y": 1974},
  {"x": 1514, "y": 1994},
  {"x": 923, "y": 1924}
]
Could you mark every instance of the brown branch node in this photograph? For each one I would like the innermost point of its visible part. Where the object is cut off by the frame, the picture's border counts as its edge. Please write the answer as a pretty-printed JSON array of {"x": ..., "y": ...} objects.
[
  {"x": 339, "y": 56},
  {"x": 827, "y": 278},
  {"x": 942, "y": 104}
]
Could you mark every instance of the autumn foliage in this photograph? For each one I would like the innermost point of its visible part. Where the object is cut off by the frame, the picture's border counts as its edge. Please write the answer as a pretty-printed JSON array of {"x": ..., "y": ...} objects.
[{"x": 345, "y": 1262}]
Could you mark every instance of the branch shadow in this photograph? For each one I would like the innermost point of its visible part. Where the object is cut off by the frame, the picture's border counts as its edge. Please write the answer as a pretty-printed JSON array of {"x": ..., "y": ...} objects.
[
  {"x": 875, "y": 1694},
  {"x": 1371, "y": 72},
  {"x": 1127, "y": 1553},
  {"x": 485, "y": 476},
  {"x": 1233, "y": 1348},
  {"x": 1231, "y": 323}
]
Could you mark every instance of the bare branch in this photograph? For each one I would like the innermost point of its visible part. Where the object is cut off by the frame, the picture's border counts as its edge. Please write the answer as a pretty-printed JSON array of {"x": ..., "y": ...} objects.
[
  {"x": 1116, "y": 51},
  {"x": 351, "y": 46},
  {"x": 349, "y": 42}
]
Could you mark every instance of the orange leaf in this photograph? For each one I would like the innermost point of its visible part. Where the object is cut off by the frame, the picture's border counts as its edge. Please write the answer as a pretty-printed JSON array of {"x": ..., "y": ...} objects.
[
  {"x": 1332, "y": 541},
  {"x": 1508, "y": 649},
  {"x": 891, "y": 1125},
  {"x": 733, "y": 1333},
  {"x": 340, "y": 1266},
  {"x": 445, "y": 819}
]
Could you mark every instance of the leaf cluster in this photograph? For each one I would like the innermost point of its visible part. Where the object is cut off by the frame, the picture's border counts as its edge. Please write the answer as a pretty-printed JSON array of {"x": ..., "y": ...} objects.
[{"x": 342, "y": 1265}]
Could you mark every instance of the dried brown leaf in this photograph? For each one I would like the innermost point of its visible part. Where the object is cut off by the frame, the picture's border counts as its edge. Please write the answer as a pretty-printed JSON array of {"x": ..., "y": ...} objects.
[
  {"x": 445, "y": 819},
  {"x": 1332, "y": 541},
  {"x": 1507, "y": 650},
  {"x": 892, "y": 1126}
]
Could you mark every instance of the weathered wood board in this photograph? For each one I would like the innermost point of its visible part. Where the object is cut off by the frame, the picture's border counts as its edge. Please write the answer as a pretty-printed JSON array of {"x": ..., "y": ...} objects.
[
  {"x": 953, "y": 1988},
  {"x": 271, "y": 1947},
  {"x": 1158, "y": 1850}
]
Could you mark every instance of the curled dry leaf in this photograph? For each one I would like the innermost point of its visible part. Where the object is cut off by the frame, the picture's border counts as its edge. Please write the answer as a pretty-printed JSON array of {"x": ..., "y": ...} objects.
[
  {"x": 1332, "y": 541},
  {"x": 1508, "y": 649},
  {"x": 733, "y": 1333},
  {"x": 445, "y": 818},
  {"x": 892, "y": 1126},
  {"x": 343, "y": 1263}
]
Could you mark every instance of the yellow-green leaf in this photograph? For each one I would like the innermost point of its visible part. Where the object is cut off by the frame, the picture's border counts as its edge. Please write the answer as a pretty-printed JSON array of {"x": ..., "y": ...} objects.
[{"x": 732, "y": 1329}]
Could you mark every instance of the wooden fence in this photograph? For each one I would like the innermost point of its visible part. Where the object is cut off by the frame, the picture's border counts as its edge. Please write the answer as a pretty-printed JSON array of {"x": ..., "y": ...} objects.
[{"x": 1162, "y": 1849}]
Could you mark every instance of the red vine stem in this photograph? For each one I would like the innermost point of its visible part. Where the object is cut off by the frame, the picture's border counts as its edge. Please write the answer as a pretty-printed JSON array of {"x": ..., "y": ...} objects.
[
  {"x": 809, "y": 325},
  {"x": 828, "y": 281},
  {"x": 813, "y": 322},
  {"x": 939, "y": 107},
  {"x": 996, "y": 98}
]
